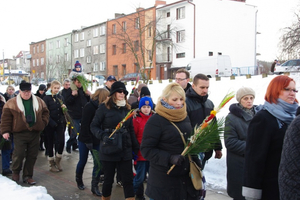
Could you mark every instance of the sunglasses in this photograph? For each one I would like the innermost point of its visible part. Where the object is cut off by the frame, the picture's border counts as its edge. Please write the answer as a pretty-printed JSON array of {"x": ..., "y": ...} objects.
[{"x": 121, "y": 91}]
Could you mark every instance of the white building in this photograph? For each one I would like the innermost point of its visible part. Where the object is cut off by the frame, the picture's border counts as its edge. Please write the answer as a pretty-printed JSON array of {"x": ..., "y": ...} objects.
[{"x": 204, "y": 28}]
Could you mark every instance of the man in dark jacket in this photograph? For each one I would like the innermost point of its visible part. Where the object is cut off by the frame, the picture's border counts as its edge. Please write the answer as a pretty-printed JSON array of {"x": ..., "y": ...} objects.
[
  {"x": 75, "y": 101},
  {"x": 199, "y": 107},
  {"x": 182, "y": 77}
]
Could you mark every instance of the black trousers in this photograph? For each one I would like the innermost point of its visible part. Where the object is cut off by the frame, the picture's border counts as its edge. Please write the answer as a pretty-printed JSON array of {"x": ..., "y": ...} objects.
[
  {"x": 124, "y": 168},
  {"x": 55, "y": 136}
]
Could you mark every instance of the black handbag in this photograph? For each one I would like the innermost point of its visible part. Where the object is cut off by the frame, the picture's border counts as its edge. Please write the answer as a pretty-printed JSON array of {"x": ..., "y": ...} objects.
[{"x": 115, "y": 145}]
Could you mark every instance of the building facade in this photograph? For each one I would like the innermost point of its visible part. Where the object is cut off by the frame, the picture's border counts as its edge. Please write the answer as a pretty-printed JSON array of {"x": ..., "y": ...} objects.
[{"x": 38, "y": 59}]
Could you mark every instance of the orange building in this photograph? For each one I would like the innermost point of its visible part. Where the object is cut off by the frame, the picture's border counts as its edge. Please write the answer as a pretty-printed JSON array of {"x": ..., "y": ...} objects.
[{"x": 130, "y": 44}]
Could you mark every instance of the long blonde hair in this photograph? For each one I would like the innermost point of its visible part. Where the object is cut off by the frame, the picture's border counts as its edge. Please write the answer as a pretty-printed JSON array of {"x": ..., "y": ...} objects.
[{"x": 100, "y": 94}]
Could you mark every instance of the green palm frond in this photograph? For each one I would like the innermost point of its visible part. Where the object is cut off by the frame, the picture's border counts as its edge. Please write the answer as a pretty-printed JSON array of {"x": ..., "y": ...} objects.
[{"x": 84, "y": 82}]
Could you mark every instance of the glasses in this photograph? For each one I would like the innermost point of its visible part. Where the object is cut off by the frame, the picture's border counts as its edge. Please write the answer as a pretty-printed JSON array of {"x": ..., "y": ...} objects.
[
  {"x": 121, "y": 91},
  {"x": 180, "y": 79},
  {"x": 290, "y": 90}
]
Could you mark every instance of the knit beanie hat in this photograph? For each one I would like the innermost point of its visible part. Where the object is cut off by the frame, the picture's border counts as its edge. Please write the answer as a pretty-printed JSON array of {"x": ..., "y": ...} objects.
[
  {"x": 42, "y": 87},
  {"x": 146, "y": 101},
  {"x": 117, "y": 86},
  {"x": 145, "y": 92},
  {"x": 243, "y": 92},
  {"x": 77, "y": 64}
]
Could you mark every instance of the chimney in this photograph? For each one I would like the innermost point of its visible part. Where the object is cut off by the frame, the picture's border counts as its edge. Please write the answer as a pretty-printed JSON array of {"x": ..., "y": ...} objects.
[
  {"x": 117, "y": 15},
  {"x": 159, "y": 3},
  {"x": 139, "y": 9}
]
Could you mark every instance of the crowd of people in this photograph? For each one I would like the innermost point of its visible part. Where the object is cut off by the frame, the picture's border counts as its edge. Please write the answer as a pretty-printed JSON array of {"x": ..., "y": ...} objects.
[{"x": 261, "y": 153}]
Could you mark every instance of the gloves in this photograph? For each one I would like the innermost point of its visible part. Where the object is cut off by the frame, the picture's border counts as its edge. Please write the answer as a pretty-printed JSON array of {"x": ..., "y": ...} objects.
[
  {"x": 107, "y": 140},
  {"x": 89, "y": 146},
  {"x": 176, "y": 159},
  {"x": 134, "y": 156}
]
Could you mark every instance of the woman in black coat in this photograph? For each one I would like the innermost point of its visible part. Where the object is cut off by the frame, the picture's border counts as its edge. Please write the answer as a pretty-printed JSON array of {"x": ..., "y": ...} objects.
[
  {"x": 88, "y": 142},
  {"x": 107, "y": 117},
  {"x": 162, "y": 146},
  {"x": 265, "y": 138},
  {"x": 55, "y": 130}
]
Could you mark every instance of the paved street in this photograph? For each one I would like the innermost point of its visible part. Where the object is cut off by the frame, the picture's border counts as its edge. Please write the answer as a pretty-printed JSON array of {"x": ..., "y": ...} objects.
[{"x": 62, "y": 185}]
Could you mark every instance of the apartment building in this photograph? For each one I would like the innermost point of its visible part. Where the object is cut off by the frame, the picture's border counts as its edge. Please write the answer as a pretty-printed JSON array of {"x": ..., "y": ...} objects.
[{"x": 38, "y": 59}]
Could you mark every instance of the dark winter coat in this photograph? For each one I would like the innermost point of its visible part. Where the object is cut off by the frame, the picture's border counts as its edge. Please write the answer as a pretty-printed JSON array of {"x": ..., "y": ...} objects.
[
  {"x": 236, "y": 126},
  {"x": 7, "y": 97},
  {"x": 7, "y": 144},
  {"x": 76, "y": 103},
  {"x": 88, "y": 113},
  {"x": 262, "y": 156},
  {"x": 105, "y": 121},
  {"x": 289, "y": 169},
  {"x": 198, "y": 108},
  {"x": 161, "y": 140},
  {"x": 187, "y": 87},
  {"x": 54, "y": 107}
]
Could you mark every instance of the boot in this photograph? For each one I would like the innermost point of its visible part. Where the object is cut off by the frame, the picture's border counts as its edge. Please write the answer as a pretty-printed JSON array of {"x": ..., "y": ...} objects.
[
  {"x": 57, "y": 161},
  {"x": 52, "y": 165},
  {"x": 105, "y": 198},
  {"x": 79, "y": 182},
  {"x": 95, "y": 188}
]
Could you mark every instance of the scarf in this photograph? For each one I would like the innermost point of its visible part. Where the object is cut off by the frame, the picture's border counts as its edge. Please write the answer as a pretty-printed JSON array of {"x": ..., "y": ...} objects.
[
  {"x": 250, "y": 111},
  {"x": 121, "y": 103},
  {"x": 283, "y": 111},
  {"x": 173, "y": 115}
]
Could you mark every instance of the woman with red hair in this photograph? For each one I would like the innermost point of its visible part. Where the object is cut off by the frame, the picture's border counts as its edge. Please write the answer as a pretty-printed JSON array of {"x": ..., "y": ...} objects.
[{"x": 265, "y": 139}]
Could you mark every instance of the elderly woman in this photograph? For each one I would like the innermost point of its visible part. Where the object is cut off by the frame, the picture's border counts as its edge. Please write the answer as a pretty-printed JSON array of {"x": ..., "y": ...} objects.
[
  {"x": 265, "y": 138},
  {"x": 236, "y": 126},
  {"x": 162, "y": 145},
  {"x": 107, "y": 117}
]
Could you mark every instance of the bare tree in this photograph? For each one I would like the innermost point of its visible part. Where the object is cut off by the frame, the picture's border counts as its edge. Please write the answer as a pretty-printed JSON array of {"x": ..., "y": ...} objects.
[{"x": 290, "y": 40}]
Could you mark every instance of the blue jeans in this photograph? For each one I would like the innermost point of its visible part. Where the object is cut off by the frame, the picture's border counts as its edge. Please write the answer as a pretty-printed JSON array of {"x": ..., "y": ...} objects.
[
  {"x": 6, "y": 156},
  {"x": 72, "y": 140},
  {"x": 83, "y": 156},
  {"x": 142, "y": 167}
]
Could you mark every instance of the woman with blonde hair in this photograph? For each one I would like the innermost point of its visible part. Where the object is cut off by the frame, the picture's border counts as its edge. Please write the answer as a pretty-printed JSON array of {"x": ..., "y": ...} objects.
[
  {"x": 56, "y": 125},
  {"x": 10, "y": 93},
  {"x": 88, "y": 142},
  {"x": 107, "y": 117},
  {"x": 162, "y": 145}
]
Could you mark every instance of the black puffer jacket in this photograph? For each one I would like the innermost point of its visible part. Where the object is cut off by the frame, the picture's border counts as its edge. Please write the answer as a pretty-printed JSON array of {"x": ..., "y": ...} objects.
[
  {"x": 76, "y": 103},
  {"x": 54, "y": 107},
  {"x": 105, "y": 121},
  {"x": 161, "y": 140},
  {"x": 88, "y": 113}
]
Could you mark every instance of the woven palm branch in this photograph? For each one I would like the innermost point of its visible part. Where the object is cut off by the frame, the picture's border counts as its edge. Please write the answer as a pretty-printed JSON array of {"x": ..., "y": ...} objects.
[
  {"x": 84, "y": 82},
  {"x": 96, "y": 160}
]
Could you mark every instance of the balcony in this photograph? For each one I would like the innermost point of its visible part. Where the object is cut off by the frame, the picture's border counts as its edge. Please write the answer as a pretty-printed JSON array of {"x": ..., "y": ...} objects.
[{"x": 164, "y": 58}]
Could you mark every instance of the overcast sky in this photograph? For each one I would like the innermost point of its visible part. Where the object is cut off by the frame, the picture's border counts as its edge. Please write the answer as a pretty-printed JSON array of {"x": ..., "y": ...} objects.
[{"x": 23, "y": 22}]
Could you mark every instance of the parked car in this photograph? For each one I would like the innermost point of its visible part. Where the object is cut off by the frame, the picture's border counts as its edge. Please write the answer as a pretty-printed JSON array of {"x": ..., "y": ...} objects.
[
  {"x": 100, "y": 79},
  {"x": 131, "y": 77},
  {"x": 38, "y": 81},
  {"x": 8, "y": 81},
  {"x": 288, "y": 66}
]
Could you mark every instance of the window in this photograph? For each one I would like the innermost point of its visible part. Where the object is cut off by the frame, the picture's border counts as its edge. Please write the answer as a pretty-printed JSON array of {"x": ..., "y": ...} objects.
[
  {"x": 149, "y": 31},
  {"x": 50, "y": 45},
  {"x": 123, "y": 69},
  {"x": 42, "y": 61},
  {"x": 137, "y": 23},
  {"x": 33, "y": 62},
  {"x": 33, "y": 50},
  {"x": 82, "y": 52},
  {"x": 58, "y": 44},
  {"x": 124, "y": 47},
  {"x": 38, "y": 49},
  {"x": 168, "y": 31},
  {"x": 37, "y": 62},
  {"x": 42, "y": 48},
  {"x": 95, "y": 32},
  {"x": 96, "y": 67},
  {"x": 76, "y": 37},
  {"x": 57, "y": 58},
  {"x": 114, "y": 31},
  {"x": 66, "y": 57},
  {"x": 219, "y": 53},
  {"x": 114, "y": 49},
  {"x": 180, "y": 55},
  {"x": 180, "y": 13},
  {"x": 115, "y": 70},
  {"x": 210, "y": 53},
  {"x": 88, "y": 59},
  {"x": 137, "y": 68},
  {"x": 136, "y": 45},
  {"x": 124, "y": 26},
  {"x": 89, "y": 43},
  {"x": 102, "y": 66},
  {"x": 149, "y": 55},
  {"x": 102, "y": 30},
  {"x": 50, "y": 59},
  {"x": 82, "y": 36},
  {"x": 102, "y": 48},
  {"x": 66, "y": 42},
  {"x": 168, "y": 14},
  {"x": 95, "y": 50},
  {"x": 180, "y": 36},
  {"x": 76, "y": 53}
]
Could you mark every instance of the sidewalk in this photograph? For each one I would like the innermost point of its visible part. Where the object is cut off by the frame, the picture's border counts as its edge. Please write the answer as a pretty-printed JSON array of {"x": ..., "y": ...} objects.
[{"x": 62, "y": 185}]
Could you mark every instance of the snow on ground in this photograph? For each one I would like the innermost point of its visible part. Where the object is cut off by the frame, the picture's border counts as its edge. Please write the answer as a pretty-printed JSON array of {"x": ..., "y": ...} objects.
[{"x": 215, "y": 170}]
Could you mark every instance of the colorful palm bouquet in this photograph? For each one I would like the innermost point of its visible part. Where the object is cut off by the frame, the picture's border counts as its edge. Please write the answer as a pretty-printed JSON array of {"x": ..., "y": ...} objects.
[
  {"x": 136, "y": 82},
  {"x": 207, "y": 134},
  {"x": 120, "y": 124}
]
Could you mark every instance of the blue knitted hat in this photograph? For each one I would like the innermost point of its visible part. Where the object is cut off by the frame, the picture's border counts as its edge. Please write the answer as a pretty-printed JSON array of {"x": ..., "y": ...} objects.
[
  {"x": 77, "y": 64},
  {"x": 146, "y": 101}
]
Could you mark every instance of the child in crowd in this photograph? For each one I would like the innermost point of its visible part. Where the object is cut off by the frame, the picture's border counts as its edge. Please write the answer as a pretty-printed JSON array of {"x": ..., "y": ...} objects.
[
  {"x": 77, "y": 71},
  {"x": 142, "y": 166}
]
